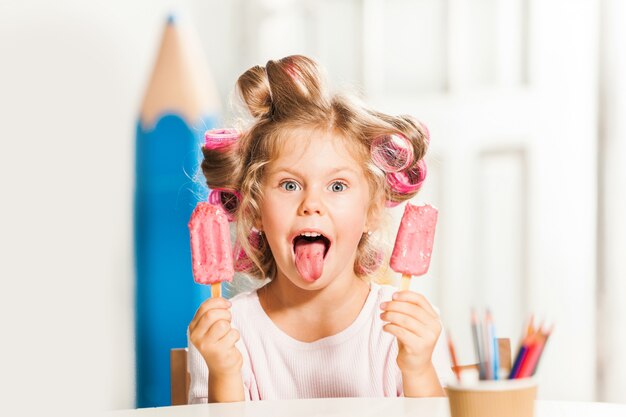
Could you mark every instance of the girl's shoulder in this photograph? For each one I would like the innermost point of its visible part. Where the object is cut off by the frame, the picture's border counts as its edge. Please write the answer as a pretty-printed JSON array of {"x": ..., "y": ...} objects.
[
  {"x": 382, "y": 292},
  {"x": 385, "y": 292},
  {"x": 243, "y": 300}
]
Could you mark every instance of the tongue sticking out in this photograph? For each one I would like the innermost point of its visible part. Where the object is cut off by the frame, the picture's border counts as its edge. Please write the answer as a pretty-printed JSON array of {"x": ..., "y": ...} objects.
[{"x": 310, "y": 258}]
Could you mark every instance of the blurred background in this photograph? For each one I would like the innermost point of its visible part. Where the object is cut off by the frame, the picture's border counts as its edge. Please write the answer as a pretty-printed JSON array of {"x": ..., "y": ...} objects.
[{"x": 525, "y": 101}]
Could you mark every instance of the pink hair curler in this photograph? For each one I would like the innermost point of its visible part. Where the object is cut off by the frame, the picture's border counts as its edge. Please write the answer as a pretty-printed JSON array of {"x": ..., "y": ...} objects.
[
  {"x": 220, "y": 138},
  {"x": 228, "y": 199},
  {"x": 408, "y": 181},
  {"x": 392, "y": 153},
  {"x": 242, "y": 262},
  {"x": 372, "y": 264}
]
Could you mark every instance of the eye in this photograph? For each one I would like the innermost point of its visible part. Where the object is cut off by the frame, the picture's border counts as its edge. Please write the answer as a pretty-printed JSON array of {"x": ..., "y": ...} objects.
[
  {"x": 338, "y": 186},
  {"x": 289, "y": 185}
]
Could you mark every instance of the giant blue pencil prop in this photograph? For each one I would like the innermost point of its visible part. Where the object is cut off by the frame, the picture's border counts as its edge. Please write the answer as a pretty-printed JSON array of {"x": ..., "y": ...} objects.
[{"x": 179, "y": 105}]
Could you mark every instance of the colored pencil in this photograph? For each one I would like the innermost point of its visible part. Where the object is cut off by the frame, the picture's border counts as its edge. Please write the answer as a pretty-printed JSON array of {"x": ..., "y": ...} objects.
[
  {"x": 180, "y": 104},
  {"x": 526, "y": 333},
  {"x": 530, "y": 360},
  {"x": 487, "y": 347},
  {"x": 519, "y": 358},
  {"x": 529, "y": 326},
  {"x": 455, "y": 364},
  {"x": 494, "y": 343},
  {"x": 477, "y": 336},
  {"x": 545, "y": 341}
]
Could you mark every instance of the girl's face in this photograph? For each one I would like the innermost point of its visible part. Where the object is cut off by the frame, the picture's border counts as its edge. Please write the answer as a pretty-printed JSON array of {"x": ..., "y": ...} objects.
[{"x": 314, "y": 187}]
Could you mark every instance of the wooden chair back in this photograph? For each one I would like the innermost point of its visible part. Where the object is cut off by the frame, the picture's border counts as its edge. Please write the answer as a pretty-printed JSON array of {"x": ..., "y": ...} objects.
[{"x": 179, "y": 377}]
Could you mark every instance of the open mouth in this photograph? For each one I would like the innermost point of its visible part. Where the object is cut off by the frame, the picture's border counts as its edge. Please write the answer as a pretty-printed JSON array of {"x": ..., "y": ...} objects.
[
  {"x": 312, "y": 238},
  {"x": 310, "y": 249}
]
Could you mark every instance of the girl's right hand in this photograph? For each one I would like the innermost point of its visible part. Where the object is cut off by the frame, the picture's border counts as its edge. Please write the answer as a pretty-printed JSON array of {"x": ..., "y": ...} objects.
[{"x": 211, "y": 333}]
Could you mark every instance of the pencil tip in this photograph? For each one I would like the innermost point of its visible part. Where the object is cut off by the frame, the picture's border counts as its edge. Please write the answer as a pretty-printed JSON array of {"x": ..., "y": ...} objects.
[{"x": 171, "y": 19}]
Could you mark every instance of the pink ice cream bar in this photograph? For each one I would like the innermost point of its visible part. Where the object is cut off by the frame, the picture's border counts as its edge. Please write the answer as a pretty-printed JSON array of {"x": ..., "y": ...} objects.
[
  {"x": 211, "y": 253},
  {"x": 414, "y": 242}
]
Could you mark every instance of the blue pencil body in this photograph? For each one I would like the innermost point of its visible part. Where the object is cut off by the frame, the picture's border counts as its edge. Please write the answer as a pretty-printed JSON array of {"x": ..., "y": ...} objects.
[
  {"x": 167, "y": 158},
  {"x": 496, "y": 353}
]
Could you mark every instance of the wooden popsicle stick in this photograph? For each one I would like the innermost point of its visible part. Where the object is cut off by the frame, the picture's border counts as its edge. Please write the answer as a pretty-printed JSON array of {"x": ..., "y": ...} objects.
[
  {"x": 406, "y": 282},
  {"x": 216, "y": 290}
]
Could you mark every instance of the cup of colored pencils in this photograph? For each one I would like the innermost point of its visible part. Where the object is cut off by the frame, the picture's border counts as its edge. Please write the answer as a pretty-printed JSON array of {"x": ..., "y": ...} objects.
[{"x": 498, "y": 391}]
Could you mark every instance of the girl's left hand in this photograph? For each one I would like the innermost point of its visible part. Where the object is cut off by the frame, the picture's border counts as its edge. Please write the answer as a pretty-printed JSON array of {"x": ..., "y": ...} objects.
[{"x": 416, "y": 324}]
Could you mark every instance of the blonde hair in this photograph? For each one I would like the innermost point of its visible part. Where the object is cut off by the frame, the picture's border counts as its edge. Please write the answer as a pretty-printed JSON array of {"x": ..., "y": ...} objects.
[{"x": 285, "y": 96}]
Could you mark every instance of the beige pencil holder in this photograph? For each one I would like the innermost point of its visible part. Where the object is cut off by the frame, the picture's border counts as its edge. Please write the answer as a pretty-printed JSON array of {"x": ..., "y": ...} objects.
[{"x": 505, "y": 398}]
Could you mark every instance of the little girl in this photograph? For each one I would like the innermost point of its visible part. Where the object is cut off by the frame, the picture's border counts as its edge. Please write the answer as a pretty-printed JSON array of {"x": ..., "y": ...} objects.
[{"x": 312, "y": 195}]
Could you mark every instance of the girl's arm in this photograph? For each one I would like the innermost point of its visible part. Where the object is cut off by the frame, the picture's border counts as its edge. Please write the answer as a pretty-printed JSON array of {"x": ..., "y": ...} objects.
[
  {"x": 210, "y": 332},
  {"x": 424, "y": 384},
  {"x": 225, "y": 388},
  {"x": 416, "y": 325}
]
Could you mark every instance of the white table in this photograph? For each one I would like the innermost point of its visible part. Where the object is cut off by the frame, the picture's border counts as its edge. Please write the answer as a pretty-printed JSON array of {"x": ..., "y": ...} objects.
[{"x": 339, "y": 407}]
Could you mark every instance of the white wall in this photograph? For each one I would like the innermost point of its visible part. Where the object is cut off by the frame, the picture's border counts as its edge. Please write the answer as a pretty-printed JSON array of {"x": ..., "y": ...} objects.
[{"x": 612, "y": 225}]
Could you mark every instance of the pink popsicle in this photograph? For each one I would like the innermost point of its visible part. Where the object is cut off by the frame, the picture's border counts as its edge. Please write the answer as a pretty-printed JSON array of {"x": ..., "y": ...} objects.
[
  {"x": 414, "y": 242},
  {"x": 211, "y": 253}
]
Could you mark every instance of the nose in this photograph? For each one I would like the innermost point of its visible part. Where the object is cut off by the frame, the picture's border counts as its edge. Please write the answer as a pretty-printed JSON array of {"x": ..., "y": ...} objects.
[{"x": 312, "y": 204}]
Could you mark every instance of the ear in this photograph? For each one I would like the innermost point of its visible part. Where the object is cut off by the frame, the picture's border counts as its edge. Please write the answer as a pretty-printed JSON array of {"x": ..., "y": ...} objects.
[
  {"x": 258, "y": 224},
  {"x": 375, "y": 214}
]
